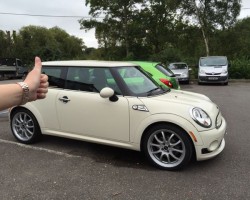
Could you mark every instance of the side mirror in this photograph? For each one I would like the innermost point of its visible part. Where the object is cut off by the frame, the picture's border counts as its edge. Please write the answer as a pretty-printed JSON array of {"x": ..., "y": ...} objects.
[{"x": 108, "y": 93}]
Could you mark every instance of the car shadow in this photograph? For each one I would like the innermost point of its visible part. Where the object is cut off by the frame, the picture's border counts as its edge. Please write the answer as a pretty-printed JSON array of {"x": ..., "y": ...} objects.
[
  {"x": 97, "y": 152},
  {"x": 109, "y": 155}
]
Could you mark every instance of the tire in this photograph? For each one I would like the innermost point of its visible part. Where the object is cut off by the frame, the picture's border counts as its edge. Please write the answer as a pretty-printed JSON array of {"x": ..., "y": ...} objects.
[
  {"x": 24, "y": 126},
  {"x": 167, "y": 147}
]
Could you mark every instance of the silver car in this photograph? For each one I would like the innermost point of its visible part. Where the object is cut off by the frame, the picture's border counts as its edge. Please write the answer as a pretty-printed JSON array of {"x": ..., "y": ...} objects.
[{"x": 181, "y": 71}]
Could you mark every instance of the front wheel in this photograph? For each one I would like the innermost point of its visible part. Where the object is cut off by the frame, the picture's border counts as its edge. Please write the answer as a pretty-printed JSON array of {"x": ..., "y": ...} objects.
[
  {"x": 24, "y": 126},
  {"x": 167, "y": 147}
]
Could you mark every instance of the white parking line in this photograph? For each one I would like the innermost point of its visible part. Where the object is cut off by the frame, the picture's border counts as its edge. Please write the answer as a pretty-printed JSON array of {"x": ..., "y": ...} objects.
[
  {"x": 39, "y": 149},
  {"x": 4, "y": 112}
]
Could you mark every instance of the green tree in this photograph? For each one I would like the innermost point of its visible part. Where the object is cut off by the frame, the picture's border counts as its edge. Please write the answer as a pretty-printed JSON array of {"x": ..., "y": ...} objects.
[
  {"x": 6, "y": 44},
  {"x": 49, "y": 44},
  {"x": 210, "y": 15},
  {"x": 158, "y": 18},
  {"x": 3, "y": 43},
  {"x": 116, "y": 27}
]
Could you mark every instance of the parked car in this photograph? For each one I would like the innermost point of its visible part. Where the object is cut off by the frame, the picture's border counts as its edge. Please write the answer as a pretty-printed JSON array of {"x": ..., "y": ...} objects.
[
  {"x": 160, "y": 73},
  {"x": 181, "y": 71},
  {"x": 118, "y": 104},
  {"x": 12, "y": 68},
  {"x": 213, "y": 69}
]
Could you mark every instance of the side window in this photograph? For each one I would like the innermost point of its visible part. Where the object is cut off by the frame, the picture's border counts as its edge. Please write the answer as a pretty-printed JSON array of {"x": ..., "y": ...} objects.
[
  {"x": 111, "y": 82},
  {"x": 90, "y": 79},
  {"x": 19, "y": 63},
  {"x": 101, "y": 78},
  {"x": 54, "y": 74},
  {"x": 78, "y": 78}
]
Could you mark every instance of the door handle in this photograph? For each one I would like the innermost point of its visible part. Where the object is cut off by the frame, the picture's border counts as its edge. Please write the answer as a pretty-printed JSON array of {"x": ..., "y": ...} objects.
[{"x": 64, "y": 99}]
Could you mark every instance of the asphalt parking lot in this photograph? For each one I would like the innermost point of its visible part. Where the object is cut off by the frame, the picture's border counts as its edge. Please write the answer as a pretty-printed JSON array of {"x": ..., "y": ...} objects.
[{"x": 58, "y": 168}]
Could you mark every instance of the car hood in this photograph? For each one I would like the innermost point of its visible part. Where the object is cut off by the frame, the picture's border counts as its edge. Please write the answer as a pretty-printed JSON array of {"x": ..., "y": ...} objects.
[
  {"x": 179, "y": 71},
  {"x": 179, "y": 102},
  {"x": 213, "y": 69}
]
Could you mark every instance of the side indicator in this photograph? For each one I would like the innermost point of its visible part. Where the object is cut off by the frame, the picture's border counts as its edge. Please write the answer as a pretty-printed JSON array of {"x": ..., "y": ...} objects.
[
  {"x": 193, "y": 136},
  {"x": 140, "y": 108}
]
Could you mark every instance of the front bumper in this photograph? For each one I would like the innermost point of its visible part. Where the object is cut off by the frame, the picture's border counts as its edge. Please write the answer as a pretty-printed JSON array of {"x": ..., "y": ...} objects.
[
  {"x": 213, "y": 143},
  {"x": 183, "y": 79},
  {"x": 213, "y": 79}
]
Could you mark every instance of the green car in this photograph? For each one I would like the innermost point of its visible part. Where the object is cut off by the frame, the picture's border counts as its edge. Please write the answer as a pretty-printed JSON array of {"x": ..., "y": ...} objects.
[{"x": 160, "y": 73}]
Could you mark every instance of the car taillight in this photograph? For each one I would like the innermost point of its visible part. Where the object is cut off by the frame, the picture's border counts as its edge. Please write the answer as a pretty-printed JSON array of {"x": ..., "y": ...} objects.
[{"x": 166, "y": 82}]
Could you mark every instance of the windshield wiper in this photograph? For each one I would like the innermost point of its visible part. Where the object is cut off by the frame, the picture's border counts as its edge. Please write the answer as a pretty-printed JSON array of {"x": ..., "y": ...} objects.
[{"x": 151, "y": 91}]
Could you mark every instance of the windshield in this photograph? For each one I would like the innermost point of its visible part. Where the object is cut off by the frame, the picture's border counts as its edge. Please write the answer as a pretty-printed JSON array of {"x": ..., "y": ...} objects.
[
  {"x": 213, "y": 61},
  {"x": 138, "y": 83},
  {"x": 175, "y": 66},
  {"x": 164, "y": 70}
]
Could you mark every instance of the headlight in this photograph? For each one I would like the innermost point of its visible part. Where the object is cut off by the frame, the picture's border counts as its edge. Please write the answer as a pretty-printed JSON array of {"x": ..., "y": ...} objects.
[
  {"x": 184, "y": 74},
  {"x": 202, "y": 71},
  {"x": 224, "y": 71},
  {"x": 218, "y": 120},
  {"x": 201, "y": 117}
]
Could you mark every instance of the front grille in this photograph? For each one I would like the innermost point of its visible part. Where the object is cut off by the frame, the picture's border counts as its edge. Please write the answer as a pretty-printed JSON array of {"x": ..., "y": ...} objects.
[{"x": 213, "y": 73}]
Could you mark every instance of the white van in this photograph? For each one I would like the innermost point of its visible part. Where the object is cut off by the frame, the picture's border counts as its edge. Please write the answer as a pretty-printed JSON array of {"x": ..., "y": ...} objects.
[{"x": 213, "y": 69}]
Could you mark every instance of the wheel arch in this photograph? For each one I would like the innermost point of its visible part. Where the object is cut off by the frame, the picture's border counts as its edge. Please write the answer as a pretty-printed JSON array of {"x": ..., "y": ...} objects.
[
  {"x": 31, "y": 126},
  {"x": 166, "y": 123},
  {"x": 31, "y": 109}
]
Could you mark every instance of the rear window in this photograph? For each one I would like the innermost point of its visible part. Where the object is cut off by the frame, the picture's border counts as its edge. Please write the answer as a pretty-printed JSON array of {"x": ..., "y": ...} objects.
[{"x": 164, "y": 70}]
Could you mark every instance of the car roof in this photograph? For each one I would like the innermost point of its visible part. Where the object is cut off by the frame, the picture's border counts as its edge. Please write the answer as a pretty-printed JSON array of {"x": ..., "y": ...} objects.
[
  {"x": 177, "y": 63},
  {"x": 145, "y": 62},
  {"x": 88, "y": 63},
  {"x": 212, "y": 56}
]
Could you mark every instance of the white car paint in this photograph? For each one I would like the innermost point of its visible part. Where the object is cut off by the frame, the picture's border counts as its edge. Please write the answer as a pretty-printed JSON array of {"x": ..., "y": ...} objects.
[{"x": 90, "y": 117}]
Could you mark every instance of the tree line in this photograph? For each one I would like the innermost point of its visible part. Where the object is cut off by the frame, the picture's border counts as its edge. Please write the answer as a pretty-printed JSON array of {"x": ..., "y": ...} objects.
[
  {"x": 49, "y": 44},
  {"x": 167, "y": 30},
  {"x": 156, "y": 30}
]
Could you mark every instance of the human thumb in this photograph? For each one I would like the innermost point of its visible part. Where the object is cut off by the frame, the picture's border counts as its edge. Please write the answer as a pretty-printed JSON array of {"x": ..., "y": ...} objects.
[{"x": 38, "y": 64}]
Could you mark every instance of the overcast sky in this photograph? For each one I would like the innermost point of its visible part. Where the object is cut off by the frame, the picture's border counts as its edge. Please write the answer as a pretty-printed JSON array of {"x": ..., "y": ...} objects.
[{"x": 58, "y": 8}]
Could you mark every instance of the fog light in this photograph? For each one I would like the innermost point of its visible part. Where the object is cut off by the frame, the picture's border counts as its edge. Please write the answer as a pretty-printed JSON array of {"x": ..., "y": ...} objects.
[{"x": 214, "y": 145}]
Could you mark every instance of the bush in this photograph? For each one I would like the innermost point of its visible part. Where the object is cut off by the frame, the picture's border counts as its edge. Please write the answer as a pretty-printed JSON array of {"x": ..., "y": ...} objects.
[
  {"x": 239, "y": 69},
  {"x": 167, "y": 56}
]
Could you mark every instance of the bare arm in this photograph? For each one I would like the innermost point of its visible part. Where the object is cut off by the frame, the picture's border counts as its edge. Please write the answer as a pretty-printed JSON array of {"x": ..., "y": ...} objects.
[{"x": 12, "y": 94}]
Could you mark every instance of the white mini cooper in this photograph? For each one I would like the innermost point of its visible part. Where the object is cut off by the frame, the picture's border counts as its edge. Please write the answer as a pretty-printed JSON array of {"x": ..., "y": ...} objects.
[{"x": 118, "y": 104}]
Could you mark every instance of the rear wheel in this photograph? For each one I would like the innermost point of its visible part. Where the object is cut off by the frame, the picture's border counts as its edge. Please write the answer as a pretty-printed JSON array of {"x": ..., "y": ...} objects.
[
  {"x": 167, "y": 147},
  {"x": 24, "y": 126}
]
